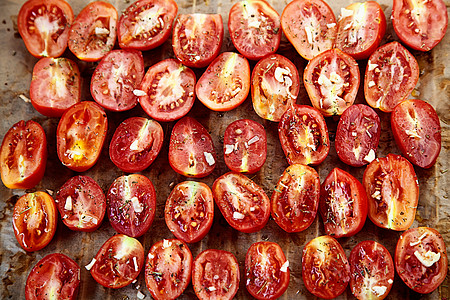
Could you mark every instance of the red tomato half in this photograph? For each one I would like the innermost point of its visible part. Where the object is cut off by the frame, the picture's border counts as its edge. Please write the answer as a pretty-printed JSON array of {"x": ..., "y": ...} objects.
[
  {"x": 361, "y": 27},
  {"x": 332, "y": 81},
  {"x": 417, "y": 131},
  {"x": 56, "y": 276},
  {"x": 295, "y": 199},
  {"x": 131, "y": 204},
  {"x": 167, "y": 90},
  {"x": 168, "y": 269},
  {"x": 191, "y": 149},
  {"x": 189, "y": 211},
  {"x": 244, "y": 204},
  {"x": 226, "y": 82},
  {"x": 267, "y": 271},
  {"x": 23, "y": 155},
  {"x": 116, "y": 77},
  {"x": 136, "y": 144},
  {"x": 392, "y": 73},
  {"x": 81, "y": 203},
  {"x": 44, "y": 26},
  {"x": 420, "y": 24},
  {"x": 197, "y": 38},
  {"x": 325, "y": 269},
  {"x": 254, "y": 28},
  {"x": 215, "y": 275},
  {"x": 55, "y": 86},
  {"x": 274, "y": 86},
  {"x": 80, "y": 135},
  {"x": 34, "y": 220},
  {"x": 118, "y": 262},
  {"x": 245, "y": 146},
  {"x": 146, "y": 24},
  {"x": 372, "y": 271},
  {"x": 93, "y": 33},
  {"x": 358, "y": 135},
  {"x": 304, "y": 135},
  {"x": 310, "y": 26},
  {"x": 392, "y": 191},
  {"x": 421, "y": 259}
]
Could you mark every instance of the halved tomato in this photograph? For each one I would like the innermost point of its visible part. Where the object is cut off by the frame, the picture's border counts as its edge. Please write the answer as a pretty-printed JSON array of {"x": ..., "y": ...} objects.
[
  {"x": 146, "y": 24},
  {"x": 332, "y": 81},
  {"x": 167, "y": 90},
  {"x": 254, "y": 28},
  {"x": 197, "y": 38},
  {"x": 44, "y": 26},
  {"x": 392, "y": 73},
  {"x": 23, "y": 155},
  {"x": 274, "y": 86},
  {"x": 55, "y": 86},
  {"x": 226, "y": 82}
]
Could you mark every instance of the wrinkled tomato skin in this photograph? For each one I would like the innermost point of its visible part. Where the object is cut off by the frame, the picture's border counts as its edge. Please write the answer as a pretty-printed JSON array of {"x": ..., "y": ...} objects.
[
  {"x": 45, "y": 44},
  {"x": 417, "y": 132},
  {"x": 35, "y": 218},
  {"x": 56, "y": 275},
  {"x": 415, "y": 243},
  {"x": 148, "y": 38},
  {"x": 23, "y": 146}
]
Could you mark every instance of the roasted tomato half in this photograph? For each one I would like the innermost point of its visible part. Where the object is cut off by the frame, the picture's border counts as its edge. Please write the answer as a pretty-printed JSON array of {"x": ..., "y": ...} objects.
[
  {"x": 304, "y": 135},
  {"x": 417, "y": 131},
  {"x": 392, "y": 73},
  {"x": 44, "y": 26},
  {"x": 23, "y": 155},
  {"x": 274, "y": 86},
  {"x": 392, "y": 191},
  {"x": 146, "y": 24}
]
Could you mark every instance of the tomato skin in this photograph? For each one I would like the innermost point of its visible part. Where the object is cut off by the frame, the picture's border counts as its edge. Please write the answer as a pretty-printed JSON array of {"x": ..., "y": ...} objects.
[
  {"x": 226, "y": 83},
  {"x": 325, "y": 269},
  {"x": 415, "y": 243},
  {"x": 23, "y": 155},
  {"x": 334, "y": 74},
  {"x": 131, "y": 204},
  {"x": 174, "y": 94},
  {"x": 131, "y": 31},
  {"x": 84, "y": 41},
  {"x": 392, "y": 191},
  {"x": 48, "y": 96},
  {"x": 168, "y": 269},
  {"x": 391, "y": 75},
  {"x": 429, "y": 23},
  {"x": 215, "y": 275},
  {"x": 80, "y": 135},
  {"x": 117, "y": 75},
  {"x": 45, "y": 44},
  {"x": 135, "y": 144},
  {"x": 357, "y": 136},
  {"x": 254, "y": 42},
  {"x": 265, "y": 278},
  {"x": 417, "y": 132},
  {"x": 360, "y": 40},
  {"x": 189, "y": 211},
  {"x": 114, "y": 266},
  {"x": 248, "y": 143},
  {"x": 372, "y": 271},
  {"x": 303, "y": 135},
  {"x": 274, "y": 86},
  {"x": 55, "y": 275},
  {"x": 322, "y": 39},
  {"x": 295, "y": 199},
  {"x": 197, "y": 38},
  {"x": 34, "y": 220},
  {"x": 87, "y": 203}
]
